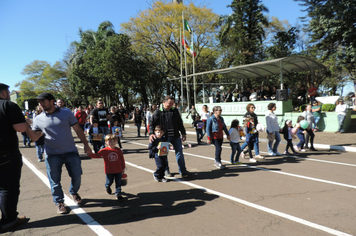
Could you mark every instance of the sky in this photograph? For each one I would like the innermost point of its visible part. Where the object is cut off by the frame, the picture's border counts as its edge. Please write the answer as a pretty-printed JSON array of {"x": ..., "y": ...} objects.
[{"x": 43, "y": 30}]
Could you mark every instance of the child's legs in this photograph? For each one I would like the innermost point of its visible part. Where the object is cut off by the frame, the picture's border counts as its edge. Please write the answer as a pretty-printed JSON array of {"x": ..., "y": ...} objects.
[
  {"x": 233, "y": 150},
  {"x": 198, "y": 136},
  {"x": 109, "y": 180},
  {"x": 301, "y": 139},
  {"x": 250, "y": 148},
  {"x": 161, "y": 166},
  {"x": 238, "y": 148},
  {"x": 117, "y": 178}
]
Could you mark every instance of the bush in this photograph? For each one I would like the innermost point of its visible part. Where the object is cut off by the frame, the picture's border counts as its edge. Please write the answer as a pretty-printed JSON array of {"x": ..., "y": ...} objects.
[{"x": 328, "y": 107}]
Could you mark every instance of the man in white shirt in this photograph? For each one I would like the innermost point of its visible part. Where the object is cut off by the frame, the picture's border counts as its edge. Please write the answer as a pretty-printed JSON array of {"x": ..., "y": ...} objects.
[{"x": 341, "y": 110}]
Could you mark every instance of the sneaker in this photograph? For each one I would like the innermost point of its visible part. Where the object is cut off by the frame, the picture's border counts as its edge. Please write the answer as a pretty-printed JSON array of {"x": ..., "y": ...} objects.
[
  {"x": 182, "y": 146},
  {"x": 278, "y": 154},
  {"x": 303, "y": 150},
  {"x": 77, "y": 199},
  {"x": 219, "y": 165},
  {"x": 119, "y": 197},
  {"x": 157, "y": 179},
  {"x": 253, "y": 160},
  {"x": 189, "y": 145},
  {"x": 186, "y": 174},
  {"x": 259, "y": 156},
  {"x": 40, "y": 160},
  {"x": 108, "y": 190},
  {"x": 233, "y": 163},
  {"x": 296, "y": 148},
  {"x": 168, "y": 174},
  {"x": 238, "y": 162},
  {"x": 61, "y": 208},
  {"x": 12, "y": 225},
  {"x": 242, "y": 155},
  {"x": 164, "y": 180},
  {"x": 286, "y": 153},
  {"x": 272, "y": 154}
]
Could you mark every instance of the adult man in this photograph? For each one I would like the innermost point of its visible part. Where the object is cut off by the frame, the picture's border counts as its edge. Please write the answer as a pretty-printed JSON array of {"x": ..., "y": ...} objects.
[
  {"x": 172, "y": 122},
  {"x": 341, "y": 110},
  {"x": 60, "y": 103},
  {"x": 60, "y": 148},
  {"x": 312, "y": 94},
  {"x": 12, "y": 121},
  {"x": 101, "y": 114}
]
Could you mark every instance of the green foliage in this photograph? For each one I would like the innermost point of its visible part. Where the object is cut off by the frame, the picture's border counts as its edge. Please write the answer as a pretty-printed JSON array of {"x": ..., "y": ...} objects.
[{"x": 328, "y": 107}]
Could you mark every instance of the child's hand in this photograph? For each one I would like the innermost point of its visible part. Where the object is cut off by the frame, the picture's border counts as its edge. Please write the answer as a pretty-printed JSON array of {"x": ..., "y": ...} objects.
[{"x": 159, "y": 147}]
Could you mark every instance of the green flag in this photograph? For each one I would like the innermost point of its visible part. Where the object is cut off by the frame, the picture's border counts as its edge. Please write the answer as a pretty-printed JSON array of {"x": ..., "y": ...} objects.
[{"x": 186, "y": 26}]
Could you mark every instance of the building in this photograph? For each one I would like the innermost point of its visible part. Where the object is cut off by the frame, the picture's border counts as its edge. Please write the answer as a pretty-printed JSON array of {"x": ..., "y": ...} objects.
[{"x": 14, "y": 95}]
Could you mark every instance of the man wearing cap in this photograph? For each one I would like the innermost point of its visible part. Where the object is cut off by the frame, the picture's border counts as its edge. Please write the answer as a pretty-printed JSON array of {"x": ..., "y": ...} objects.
[
  {"x": 341, "y": 110},
  {"x": 60, "y": 148},
  {"x": 12, "y": 121}
]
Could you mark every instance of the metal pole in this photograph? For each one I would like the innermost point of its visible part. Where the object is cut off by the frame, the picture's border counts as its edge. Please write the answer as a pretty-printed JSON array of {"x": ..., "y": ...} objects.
[
  {"x": 281, "y": 63},
  {"x": 185, "y": 62},
  {"x": 195, "y": 91},
  {"x": 181, "y": 68}
]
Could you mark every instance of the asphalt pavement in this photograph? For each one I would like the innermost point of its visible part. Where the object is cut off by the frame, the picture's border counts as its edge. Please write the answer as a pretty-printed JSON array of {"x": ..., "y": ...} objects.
[{"x": 311, "y": 194}]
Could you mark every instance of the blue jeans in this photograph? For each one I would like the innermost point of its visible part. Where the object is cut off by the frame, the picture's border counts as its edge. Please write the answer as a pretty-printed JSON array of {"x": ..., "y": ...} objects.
[
  {"x": 341, "y": 119},
  {"x": 110, "y": 180},
  {"x": 161, "y": 163},
  {"x": 138, "y": 125},
  {"x": 256, "y": 146},
  {"x": 40, "y": 150},
  {"x": 218, "y": 143},
  {"x": 10, "y": 175},
  {"x": 235, "y": 147},
  {"x": 199, "y": 135},
  {"x": 276, "y": 143},
  {"x": 177, "y": 145},
  {"x": 316, "y": 121},
  {"x": 54, "y": 165},
  {"x": 301, "y": 137}
]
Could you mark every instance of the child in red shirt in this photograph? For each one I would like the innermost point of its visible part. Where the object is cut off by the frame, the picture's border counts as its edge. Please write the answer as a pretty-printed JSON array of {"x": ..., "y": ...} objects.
[{"x": 114, "y": 164}]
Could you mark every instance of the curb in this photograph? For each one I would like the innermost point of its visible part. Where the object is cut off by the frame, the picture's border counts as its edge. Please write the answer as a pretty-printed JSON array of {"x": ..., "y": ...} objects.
[{"x": 323, "y": 146}]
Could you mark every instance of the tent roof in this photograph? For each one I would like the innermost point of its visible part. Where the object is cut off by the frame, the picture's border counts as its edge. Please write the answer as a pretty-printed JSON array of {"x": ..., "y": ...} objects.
[{"x": 268, "y": 68}]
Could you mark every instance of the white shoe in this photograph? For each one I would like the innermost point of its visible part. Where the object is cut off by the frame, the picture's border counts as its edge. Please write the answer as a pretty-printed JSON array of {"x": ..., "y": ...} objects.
[
  {"x": 303, "y": 150},
  {"x": 259, "y": 156},
  {"x": 272, "y": 154},
  {"x": 296, "y": 148},
  {"x": 253, "y": 160},
  {"x": 242, "y": 155},
  {"x": 278, "y": 154}
]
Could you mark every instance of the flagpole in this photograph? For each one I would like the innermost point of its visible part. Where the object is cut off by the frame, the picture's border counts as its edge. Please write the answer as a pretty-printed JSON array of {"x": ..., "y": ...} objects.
[
  {"x": 185, "y": 62},
  {"x": 195, "y": 91},
  {"x": 181, "y": 68}
]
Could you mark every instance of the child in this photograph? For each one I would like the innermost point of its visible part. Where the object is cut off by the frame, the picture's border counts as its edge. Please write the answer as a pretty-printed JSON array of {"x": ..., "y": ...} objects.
[
  {"x": 94, "y": 135},
  {"x": 87, "y": 126},
  {"x": 116, "y": 129},
  {"x": 288, "y": 137},
  {"x": 40, "y": 148},
  {"x": 300, "y": 135},
  {"x": 251, "y": 135},
  {"x": 234, "y": 142},
  {"x": 199, "y": 124},
  {"x": 114, "y": 164},
  {"x": 161, "y": 161}
]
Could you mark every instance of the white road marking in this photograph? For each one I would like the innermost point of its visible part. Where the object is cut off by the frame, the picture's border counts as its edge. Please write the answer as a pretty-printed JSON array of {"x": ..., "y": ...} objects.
[{"x": 86, "y": 218}]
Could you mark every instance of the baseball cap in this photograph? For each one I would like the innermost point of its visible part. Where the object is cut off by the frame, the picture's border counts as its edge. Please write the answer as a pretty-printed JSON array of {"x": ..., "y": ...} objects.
[
  {"x": 3, "y": 86},
  {"x": 44, "y": 96}
]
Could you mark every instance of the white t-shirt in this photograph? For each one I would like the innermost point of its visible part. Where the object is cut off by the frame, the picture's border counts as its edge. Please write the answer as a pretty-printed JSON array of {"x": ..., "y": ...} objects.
[{"x": 205, "y": 116}]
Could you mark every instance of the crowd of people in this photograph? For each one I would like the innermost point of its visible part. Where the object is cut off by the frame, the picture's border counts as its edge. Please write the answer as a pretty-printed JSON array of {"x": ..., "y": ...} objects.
[{"x": 51, "y": 131}]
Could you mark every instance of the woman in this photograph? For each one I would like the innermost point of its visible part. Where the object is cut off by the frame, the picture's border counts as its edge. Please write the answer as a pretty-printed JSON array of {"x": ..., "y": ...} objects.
[
  {"x": 149, "y": 114},
  {"x": 253, "y": 96},
  {"x": 205, "y": 114},
  {"x": 215, "y": 127},
  {"x": 89, "y": 109},
  {"x": 273, "y": 130},
  {"x": 251, "y": 113},
  {"x": 137, "y": 118},
  {"x": 309, "y": 117}
]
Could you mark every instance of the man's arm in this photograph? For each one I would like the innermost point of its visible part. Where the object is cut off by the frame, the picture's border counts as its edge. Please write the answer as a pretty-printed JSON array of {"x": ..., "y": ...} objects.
[
  {"x": 82, "y": 138},
  {"x": 24, "y": 127}
]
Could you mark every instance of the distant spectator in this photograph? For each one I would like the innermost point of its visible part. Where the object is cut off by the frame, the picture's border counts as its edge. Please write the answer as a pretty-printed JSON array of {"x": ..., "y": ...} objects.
[
  {"x": 340, "y": 110},
  {"x": 274, "y": 93},
  {"x": 267, "y": 94},
  {"x": 316, "y": 109},
  {"x": 218, "y": 97},
  {"x": 261, "y": 94},
  {"x": 312, "y": 93},
  {"x": 228, "y": 96},
  {"x": 285, "y": 86},
  {"x": 60, "y": 103},
  {"x": 253, "y": 96},
  {"x": 81, "y": 117},
  {"x": 302, "y": 92}
]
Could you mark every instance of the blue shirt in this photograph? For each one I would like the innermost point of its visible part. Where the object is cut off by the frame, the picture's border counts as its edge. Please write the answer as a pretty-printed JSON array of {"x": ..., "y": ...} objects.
[{"x": 57, "y": 130}]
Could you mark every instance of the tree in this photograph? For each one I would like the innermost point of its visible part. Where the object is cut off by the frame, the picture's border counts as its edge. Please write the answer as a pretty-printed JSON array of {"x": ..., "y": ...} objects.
[
  {"x": 243, "y": 31},
  {"x": 332, "y": 29},
  {"x": 42, "y": 77}
]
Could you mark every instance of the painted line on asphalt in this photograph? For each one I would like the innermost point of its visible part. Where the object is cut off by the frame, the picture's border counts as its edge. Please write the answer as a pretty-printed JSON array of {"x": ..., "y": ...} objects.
[
  {"x": 246, "y": 203},
  {"x": 85, "y": 217},
  {"x": 264, "y": 169}
]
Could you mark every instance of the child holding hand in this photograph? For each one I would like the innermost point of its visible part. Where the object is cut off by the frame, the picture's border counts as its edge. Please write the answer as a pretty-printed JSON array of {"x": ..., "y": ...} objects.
[
  {"x": 287, "y": 133},
  {"x": 234, "y": 142},
  {"x": 116, "y": 129},
  {"x": 159, "y": 153},
  {"x": 300, "y": 135},
  {"x": 199, "y": 125},
  {"x": 114, "y": 164}
]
